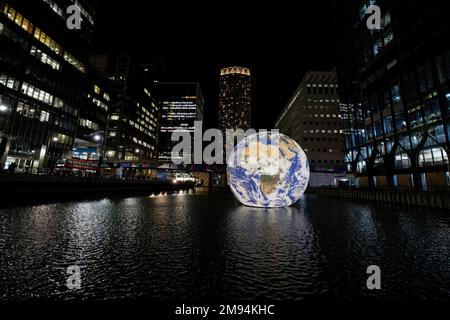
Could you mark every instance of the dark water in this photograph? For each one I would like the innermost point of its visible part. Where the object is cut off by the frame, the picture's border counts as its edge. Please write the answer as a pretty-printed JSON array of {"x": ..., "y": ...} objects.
[{"x": 207, "y": 246}]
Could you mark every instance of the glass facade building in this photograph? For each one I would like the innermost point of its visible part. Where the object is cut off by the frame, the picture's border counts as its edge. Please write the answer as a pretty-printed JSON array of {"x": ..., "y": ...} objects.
[
  {"x": 180, "y": 104},
  {"x": 42, "y": 75},
  {"x": 394, "y": 87}
]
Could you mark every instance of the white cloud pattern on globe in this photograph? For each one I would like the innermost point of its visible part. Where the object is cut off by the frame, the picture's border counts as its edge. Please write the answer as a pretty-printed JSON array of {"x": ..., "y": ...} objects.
[{"x": 268, "y": 170}]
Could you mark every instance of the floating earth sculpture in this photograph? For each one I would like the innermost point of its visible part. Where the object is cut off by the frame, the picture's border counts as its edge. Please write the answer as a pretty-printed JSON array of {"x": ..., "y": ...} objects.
[{"x": 268, "y": 170}]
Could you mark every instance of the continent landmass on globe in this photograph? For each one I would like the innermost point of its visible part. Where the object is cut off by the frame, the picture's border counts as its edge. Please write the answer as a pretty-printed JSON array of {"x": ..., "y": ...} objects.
[{"x": 268, "y": 170}]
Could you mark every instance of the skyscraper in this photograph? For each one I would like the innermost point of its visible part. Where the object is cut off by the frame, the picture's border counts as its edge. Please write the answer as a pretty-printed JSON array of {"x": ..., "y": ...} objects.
[
  {"x": 394, "y": 86},
  {"x": 42, "y": 77},
  {"x": 134, "y": 118},
  {"x": 181, "y": 104},
  {"x": 234, "y": 98},
  {"x": 98, "y": 98},
  {"x": 312, "y": 119}
]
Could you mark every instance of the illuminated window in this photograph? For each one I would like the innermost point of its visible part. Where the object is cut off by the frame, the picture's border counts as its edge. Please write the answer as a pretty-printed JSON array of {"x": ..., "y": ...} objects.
[
  {"x": 74, "y": 62},
  {"x": 37, "y": 94},
  {"x": 44, "y": 58}
]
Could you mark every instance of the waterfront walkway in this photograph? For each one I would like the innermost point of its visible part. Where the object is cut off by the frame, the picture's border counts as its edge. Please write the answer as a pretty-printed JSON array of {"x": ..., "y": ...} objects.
[{"x": 436, "y": 200}]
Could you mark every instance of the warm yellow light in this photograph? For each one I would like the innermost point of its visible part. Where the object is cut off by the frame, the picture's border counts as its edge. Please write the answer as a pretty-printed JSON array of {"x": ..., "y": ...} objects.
[{"x": 235, "y": 70}]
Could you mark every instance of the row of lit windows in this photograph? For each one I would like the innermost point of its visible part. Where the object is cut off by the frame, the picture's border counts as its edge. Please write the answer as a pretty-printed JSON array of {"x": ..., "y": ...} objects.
[
  {"x": 73, "y": 61},
  {"x": 148, "y": 113},
  {"x": 143, "y": 143},
  {"x": 99, "y": 103},
  {"x": 427, "y": 158},
  {"x": 172, "y": 116},
  {"x": 147, "y": 116},
  {"x": 32, "y": 112},
  {"x": 9, "y": 82},
  {"x": 321, "y": 139},
  {"x": 320, "y": 123},
  {"x": 88, "y": 124},
  {"x": 44, "y": 58},
  {"x": 319, "y": 107},
  {"x": 55, "y": 7},
  {"x": 323, "y": 100},
  {"x": 16, "y": 17},
  {"x": 181, "y": 128},
  {"x": 47, "y": 41},
  {"x": 322, "y": 115},
  {"x": 325, "y": 90},
  {"x": 37, "y": 93},
  {"x": 142, "y": 129},
  {"x": 148, "y": 125},
  {"x": 179, "y": 103},
  {"x": 323, "y": 131}
]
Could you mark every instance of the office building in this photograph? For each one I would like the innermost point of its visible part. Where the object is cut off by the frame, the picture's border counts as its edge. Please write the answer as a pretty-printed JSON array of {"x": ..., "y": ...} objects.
[
  {"x": 42, "y": 76},
  {"x": 312, "y": 119},
  {"x": 134, "y": 116},
  {"x": 234, "y": 98},
  {"x": 180, "y": 104},
  {"x": 394, "y": 87},
  {"x": 98, "y": 99}
]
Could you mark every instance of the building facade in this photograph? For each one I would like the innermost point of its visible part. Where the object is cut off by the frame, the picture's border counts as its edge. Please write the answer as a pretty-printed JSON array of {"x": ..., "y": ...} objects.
[
  {"x": 180, "y": 104},
  {"x": 394, "y": 87},
  {"x": 97, "y": 101},
  {"x": 234, "y": 98},
  {"x": 133, "y": 122},
  {"x": 312, "y": 119},
  {"x": 42, "y": 75}
]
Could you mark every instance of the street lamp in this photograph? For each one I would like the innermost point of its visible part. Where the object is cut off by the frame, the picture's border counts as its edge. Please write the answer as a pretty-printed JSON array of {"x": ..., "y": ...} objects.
[
  {"x": 3, "y": 108},
  {"x": 97, "y": 137}
]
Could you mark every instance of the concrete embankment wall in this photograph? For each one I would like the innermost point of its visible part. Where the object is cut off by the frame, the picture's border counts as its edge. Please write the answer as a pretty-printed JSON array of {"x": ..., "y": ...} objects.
[
  {"x": 17, "y": 185},
  {"x": 419, "y": 199}
]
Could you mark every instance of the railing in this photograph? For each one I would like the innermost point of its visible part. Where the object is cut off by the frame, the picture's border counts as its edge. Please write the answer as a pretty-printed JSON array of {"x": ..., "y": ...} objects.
[{"x": 430, "y": 198}]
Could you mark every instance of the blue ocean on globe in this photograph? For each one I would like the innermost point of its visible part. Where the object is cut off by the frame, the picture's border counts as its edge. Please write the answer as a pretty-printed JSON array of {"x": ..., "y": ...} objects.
[{"x": 268, "y": 170}]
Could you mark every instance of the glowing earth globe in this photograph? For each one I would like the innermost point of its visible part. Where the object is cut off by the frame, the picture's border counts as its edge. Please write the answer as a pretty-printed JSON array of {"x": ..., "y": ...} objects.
[{"x": 268, "y": 170}]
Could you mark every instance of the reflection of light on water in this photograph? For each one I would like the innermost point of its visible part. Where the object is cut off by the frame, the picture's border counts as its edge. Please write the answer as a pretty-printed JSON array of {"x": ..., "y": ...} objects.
[
  {"x": 244, "y": 210},
  {"x": 174, "y": 193}
]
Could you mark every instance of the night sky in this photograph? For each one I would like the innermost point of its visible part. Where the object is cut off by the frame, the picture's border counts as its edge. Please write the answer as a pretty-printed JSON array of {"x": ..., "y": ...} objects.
[{"x": 190, "y": 41}]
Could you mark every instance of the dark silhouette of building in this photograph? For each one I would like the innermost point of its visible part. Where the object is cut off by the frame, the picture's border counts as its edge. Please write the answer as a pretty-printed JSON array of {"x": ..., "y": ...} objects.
[
  {"x": 312, "y": 119},
  {"x": 394, "y": 87},
  {"x": 42, "y": 76}
]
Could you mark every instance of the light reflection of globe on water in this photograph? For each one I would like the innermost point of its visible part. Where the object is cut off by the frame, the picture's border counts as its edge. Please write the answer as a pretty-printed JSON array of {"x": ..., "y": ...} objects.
[{"x": 268, "y": 170}]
